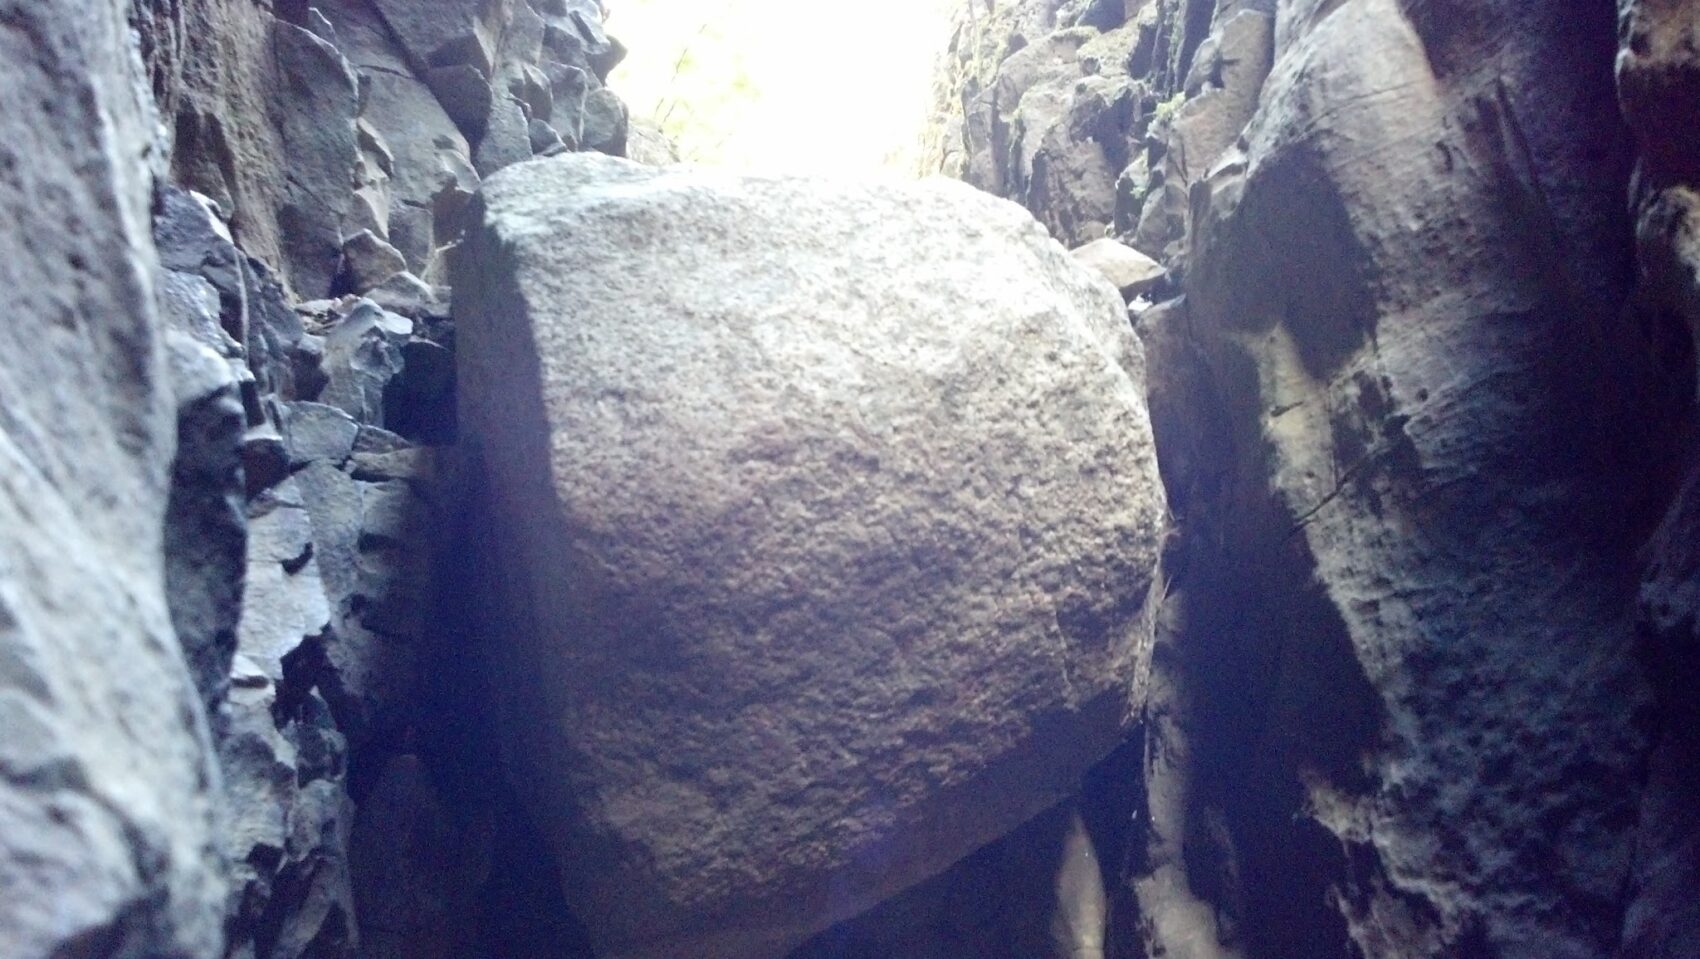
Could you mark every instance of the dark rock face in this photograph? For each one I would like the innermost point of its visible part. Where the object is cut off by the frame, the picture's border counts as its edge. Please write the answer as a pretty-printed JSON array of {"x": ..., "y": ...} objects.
[
  {"x": 1004, "y": 900},
  {"x": 1658, "y": 75},
  {"x": 221, "y": 505},
  {"x": 335, "y": 148},
  {"x": 1100, "y": 117},
  {"x": 1421, "y": 393},
  {"x": 386, "y": 110},
  {"x": 107, "y": 809},
  {"x": 1420, "y": 374},
  {"x": 1431, "y": 385}
]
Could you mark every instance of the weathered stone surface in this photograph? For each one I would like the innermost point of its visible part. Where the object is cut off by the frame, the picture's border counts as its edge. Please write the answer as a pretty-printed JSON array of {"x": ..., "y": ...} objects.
[
  {"x": 284, "y": 604},
  {"x": 286, "y": 822},
  {"x": 1093, "y": 116},
  {"x": 528, "y": 84},
  {"x": 568, "y": 87},
  {"x": 1662, "y": 920},
  {"x": 364, "y": 672},
  {"x": 1050, "y": 110},
  {"x": 466, "y": 94},
  {"x": 507, "y": 137},
  {"x": 1127, "y": 269},
  {"x": 281, "y": 355},
  {"x": 573, "y": 34},
  {"x": 1065, "y": 132},
  {"x": 107, "y": 821},
  {"x": 402, "y": 111},
  {"x": 192, "y": 240},
  {"x": 415, "y": 870},
  {"x": 447, "y": 32},
  {"x": 995, "y": 904},
  {"x": 961, "y": 144},
  {"x": 362, "y": 355},
  {"x": 545, "y": 139},
  {"x": 369, "y": 262},
  {"x": 205, "y": 527},
  {"x": 407, "y": 295},
  {"x": 1185, "y": 874},
  {"x": 422, "y": 407},
  {"x": 647, "y": 143},
  {"x": 315, "y": 431},
  {"x": 817, "y": 533},
  {"x": 1222, "y": 89},
  {"x": 1439, "y": 397},
  {"x": 1413, "y": 443},
  {"x": 200, "y": 296},
  {"x": 323, "y": 176},
  {"x": 215, "y": 68},
  {"x": 314, "y": 109},
  {"x": 602, "y": 125}
]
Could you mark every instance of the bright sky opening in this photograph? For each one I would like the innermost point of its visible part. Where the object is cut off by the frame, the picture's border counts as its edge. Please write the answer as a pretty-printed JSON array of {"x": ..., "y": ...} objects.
[{"x": 784, "y": 85}]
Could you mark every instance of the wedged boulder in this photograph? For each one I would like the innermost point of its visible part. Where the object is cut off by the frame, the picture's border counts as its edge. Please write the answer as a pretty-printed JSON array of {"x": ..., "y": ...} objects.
[{"x": 829, "y": 518}]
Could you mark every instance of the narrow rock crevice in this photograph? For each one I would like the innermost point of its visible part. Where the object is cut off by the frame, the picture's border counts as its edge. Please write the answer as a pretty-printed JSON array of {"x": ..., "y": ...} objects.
[{"x": 425, "y": 535}]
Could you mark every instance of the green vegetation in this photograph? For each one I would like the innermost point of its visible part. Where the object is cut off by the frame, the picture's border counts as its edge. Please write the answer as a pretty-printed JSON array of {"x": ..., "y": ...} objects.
[
  {"x": 1166, "y": 110},
  {"x": 686, "y": 72}
]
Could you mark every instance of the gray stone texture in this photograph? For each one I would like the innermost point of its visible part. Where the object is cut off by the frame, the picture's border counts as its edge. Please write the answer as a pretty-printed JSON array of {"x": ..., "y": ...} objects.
[
  {"x": 1421, "y": 384},
  {"x": 836, "y": 525},
  {"x": 1417, "y": 420},
  {"x": 1418, "y": 342},
  {"x": 215, "y": 581},
  {"x": 107, "y": 778}
]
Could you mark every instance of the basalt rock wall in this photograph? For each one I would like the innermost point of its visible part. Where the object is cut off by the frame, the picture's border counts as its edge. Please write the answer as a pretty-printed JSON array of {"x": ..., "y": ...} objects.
[
  {"x": 228, "y": 379},
  {"x": 1422, "y": 375},
  {"x": 108, "y": 826}
]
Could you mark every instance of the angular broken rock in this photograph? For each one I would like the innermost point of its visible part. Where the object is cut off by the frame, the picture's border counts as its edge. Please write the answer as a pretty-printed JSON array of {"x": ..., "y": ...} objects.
[
  {"x": 368, "y": 261},
  {"x": 1129, "y": 270},
  {"x": 315, "y": 116},
  {"x": 828, "y": 515},
  {"x": 362, "y": 355}
]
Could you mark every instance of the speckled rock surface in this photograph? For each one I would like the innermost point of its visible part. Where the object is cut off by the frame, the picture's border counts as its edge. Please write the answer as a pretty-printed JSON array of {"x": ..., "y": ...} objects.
[{"x": 835, "y": 515}]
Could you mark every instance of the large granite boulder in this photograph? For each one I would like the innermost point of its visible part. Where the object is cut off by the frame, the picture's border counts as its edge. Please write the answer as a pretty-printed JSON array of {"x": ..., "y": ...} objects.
[
  {"x": 828, "y": 517},
  {"x": 106, "y": 771}
]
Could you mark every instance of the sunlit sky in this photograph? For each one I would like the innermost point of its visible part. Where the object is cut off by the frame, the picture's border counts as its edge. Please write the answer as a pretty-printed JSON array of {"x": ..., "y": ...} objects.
[{"x": 787, "y": 85}]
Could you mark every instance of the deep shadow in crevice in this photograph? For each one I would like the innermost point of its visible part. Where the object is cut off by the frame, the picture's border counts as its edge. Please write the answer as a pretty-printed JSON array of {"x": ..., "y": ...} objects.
[
  {"x": 1263, "y": 704},
  {"x": 518, "y": 910},
  {"x": 997, "y": 902},
  {"x": 1275, "y": 705}
]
